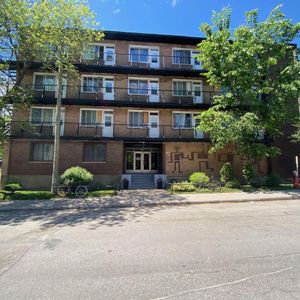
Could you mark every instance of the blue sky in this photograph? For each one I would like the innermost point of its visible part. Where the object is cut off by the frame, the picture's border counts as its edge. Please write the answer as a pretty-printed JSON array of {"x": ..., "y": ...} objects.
[{"x": 179, "y": 17}]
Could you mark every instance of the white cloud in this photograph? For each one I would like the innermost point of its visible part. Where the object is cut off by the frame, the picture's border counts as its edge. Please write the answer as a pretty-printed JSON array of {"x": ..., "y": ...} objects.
[
  {"x": 174, "y": 3},
  {"x": 116, "y": 11}
]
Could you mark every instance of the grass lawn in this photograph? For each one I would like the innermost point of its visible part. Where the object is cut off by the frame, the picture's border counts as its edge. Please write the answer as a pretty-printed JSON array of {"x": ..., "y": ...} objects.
[
  {"x": 45, "y": 195},
  {"x": 244, "y": 188}
]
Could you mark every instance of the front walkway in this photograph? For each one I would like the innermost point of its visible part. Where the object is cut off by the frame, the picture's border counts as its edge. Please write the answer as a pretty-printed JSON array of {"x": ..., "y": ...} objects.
[{"x": 134, "y": 198}]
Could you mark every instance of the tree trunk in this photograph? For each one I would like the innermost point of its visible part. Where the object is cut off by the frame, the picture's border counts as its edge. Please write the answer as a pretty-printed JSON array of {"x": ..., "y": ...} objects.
[{"x": 54, "y": 181}]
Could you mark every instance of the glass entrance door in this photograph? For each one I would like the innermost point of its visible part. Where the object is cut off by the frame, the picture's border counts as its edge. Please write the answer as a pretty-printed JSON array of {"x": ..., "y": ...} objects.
[{"x": 142, "y": 161}]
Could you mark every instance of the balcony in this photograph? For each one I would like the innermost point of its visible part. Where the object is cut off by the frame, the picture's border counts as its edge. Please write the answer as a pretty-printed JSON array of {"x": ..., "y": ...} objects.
[
  {"x": 107, "y": 131},
  {"x": 112, "y": 96}
]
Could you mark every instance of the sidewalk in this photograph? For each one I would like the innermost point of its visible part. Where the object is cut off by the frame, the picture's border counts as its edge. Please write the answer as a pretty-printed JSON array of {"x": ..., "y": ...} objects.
[{"x": 135, "y": 198}]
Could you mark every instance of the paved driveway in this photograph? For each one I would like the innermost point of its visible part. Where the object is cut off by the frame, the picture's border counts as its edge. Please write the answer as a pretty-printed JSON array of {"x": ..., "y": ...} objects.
[{"x": 212, "y": 251}]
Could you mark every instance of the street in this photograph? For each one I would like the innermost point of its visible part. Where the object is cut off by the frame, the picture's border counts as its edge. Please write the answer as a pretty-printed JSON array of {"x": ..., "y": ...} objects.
[{"x": 211, "y": 251}]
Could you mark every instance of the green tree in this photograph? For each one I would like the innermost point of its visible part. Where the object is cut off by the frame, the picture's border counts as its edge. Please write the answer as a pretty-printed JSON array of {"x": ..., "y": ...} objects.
[
  {"x": 256, "y": 69},
  {"x": 52, "y": 32}
]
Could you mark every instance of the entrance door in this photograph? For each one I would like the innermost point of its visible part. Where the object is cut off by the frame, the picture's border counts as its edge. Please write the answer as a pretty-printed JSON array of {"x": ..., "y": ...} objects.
[
  {"x": 198, "y": 134},
  {"x": 142, "y": 161},
  {"x": 154, "y": 94},
  {"x": 108, "y": 93},
  {"x": 153, "y": 125},
  {"x": 108, "y": 130},
  {"x": 154, "y": 58},
  {"x": 197, "y": 92}
]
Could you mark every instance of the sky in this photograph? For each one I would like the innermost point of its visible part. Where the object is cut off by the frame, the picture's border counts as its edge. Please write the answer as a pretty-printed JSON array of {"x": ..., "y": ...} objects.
[{"x": 180, "y": 17}]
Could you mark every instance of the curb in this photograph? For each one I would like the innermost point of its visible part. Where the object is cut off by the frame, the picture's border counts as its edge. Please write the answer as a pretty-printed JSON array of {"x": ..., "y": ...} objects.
[{"x": 163, "y": 203}]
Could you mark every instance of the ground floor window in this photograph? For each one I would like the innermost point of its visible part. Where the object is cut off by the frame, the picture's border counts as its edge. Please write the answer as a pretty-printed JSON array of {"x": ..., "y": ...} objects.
[
  {"x": 94, "y": 152},
  {"x": 41, "y": 152}
]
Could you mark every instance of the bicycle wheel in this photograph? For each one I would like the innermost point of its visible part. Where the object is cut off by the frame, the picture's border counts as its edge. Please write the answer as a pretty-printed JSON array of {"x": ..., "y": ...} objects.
[
  {"x": 81, "y": 191},
  {"x": 62, "y": 190},
  {"x": 215, "y": 186},
  {"x": 201, "y": 185}
]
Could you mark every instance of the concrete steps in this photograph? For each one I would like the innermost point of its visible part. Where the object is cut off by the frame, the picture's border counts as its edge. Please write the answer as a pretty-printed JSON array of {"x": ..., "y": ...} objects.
[{"x": 142, "y": 181}]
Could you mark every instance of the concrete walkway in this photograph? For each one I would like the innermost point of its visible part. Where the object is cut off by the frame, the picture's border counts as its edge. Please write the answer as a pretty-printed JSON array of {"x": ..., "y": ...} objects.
[{"x": 135, "y": 198}]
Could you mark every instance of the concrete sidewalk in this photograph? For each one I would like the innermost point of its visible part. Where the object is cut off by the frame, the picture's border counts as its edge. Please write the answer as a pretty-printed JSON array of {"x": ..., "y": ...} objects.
[{"x": 135, "y": 198}]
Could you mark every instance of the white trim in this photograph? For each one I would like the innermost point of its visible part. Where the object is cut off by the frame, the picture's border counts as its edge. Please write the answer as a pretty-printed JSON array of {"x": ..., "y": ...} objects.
[
  {"x": 142, "y": 111},
  {"x": 142, "y": 78},
  {"x": 186, "y": 80},
  {"x": 184, "y": 112},
  {"x": 53, "y": 108},
  {"x": 93, "y": 76},
  {"x": 187, "y": 49},
  {"x": 142, "y": 47},
  {"x": 93, "y": 109}
]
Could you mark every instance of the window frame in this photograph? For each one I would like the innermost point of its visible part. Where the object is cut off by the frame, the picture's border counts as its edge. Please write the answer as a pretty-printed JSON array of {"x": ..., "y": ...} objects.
[
  {"x": 31, "y": 153},
  {"x": 193, "y": 114},
  {"x": 94, "y": 144},
  {"x": 191, "y": 56},
  {"x": 97, "y": 124},
  {"x": 148, "y": 85},
  {"x": 35, "y": 74},
  {"x": 191, "y": 82},
  {"x": 105, "y": 46}
]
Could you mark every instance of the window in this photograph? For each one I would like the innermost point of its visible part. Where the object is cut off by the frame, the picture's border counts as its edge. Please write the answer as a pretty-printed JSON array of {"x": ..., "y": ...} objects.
[
  {"x": 136, "y": 119},
  {"x": 88, "y": 117},
  {"x": 182, "y": 57},
  {"x": 138, "y": 87},
  {"x": 92, "y": 84},
  {"x": 93, "y": 52},
  {"x": 138, "y": 54},
  {"x": 42, "y": 116},
  {"x": 94, "y": 152},
  {"x": 182, "y": 88},
  {"x": 183, "y": 120},
  {"x": 44, "y": 82},
  {"x": 41, "y": 152}
]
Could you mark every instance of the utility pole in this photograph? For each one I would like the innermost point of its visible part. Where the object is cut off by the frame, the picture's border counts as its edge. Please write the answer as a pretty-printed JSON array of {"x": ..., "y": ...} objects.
[{"x": 54, "y": 181}]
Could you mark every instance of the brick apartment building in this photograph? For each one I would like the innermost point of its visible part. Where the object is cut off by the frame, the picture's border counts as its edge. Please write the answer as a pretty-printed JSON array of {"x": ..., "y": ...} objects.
[{"x": 131, "y": 114}]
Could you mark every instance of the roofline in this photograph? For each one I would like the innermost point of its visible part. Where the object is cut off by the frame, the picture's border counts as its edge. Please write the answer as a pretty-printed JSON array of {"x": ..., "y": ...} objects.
[{"x": 149, "y": 37}]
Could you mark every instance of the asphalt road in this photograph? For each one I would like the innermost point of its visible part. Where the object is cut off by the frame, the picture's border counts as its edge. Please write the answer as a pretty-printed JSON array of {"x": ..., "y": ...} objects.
[{"x": 215, "y": 251}]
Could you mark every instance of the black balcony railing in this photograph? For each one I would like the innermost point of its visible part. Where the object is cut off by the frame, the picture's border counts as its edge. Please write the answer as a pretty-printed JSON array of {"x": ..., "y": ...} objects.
[
  {"x": 105, "y": 130},
  {"x": 132, "y": 94},
  {"x": 133, "y": 60}
]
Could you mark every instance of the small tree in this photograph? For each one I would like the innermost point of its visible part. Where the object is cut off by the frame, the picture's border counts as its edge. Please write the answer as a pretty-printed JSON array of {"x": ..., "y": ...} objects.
[
  {"x": 248, "y": 173},
  {"x": 257, "y": 71},
  {"x": 226, "y": 172},
  {"x": 75, "y": 176}
]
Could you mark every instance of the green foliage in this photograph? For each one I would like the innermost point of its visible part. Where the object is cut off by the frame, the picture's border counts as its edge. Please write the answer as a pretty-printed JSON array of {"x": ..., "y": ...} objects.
[
  {"x": 273, "y": 180},
  {"x": 12, "y": 187},
  {"x": 237, "y": 62},
  {"x": 233, "y": 184},
  {"x": 198, "y": 177},
  {"x": 258, "y": 182},
  {"x": 226, "y": 172},
  {"x": 248, "y": 173},
  {"x": 184, "y": 186},
  {"x": 75, "y": 176}
]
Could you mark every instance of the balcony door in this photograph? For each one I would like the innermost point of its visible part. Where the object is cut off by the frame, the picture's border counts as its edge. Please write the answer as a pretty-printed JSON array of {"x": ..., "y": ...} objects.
[
  {"x": 108, "y": 93},
  {"x": 154, "y": 58},
  {"x": 153, "y": 125},
  {"x": 197, "y": 92},
  {"x": 108, "y": 129},
  {"x": 154, "y": 94}
]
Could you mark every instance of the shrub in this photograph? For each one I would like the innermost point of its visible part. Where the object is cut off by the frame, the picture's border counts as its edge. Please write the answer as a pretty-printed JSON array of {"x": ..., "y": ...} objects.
[
  {"x": 248, "y": 173},
  {"x": 258, "y": 182},
  {"x": 75, "y": 176},
  {"x": 273, "y": 180},
  {"x": 184, "y": 186},
  {"x": 226, "y": 172},
  {"x": 233, "y": 184},
  {"x": 197, "y": 177},
  {"x": 12, "y": 187}
]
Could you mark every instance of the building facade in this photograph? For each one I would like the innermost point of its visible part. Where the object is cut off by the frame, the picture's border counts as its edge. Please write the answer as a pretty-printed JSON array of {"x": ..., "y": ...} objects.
[{"x": 133, "y": 113}]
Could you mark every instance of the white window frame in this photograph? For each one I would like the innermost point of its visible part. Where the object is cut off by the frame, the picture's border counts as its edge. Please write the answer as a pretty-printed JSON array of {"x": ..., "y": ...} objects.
[
  {"x": 93, "y": 109},
  {"x": 43, "y": 74},
  {"x": 187, "y": 80},
  {"x": 41, "y": 107},
  {"x": 144, "y": 79},
  {"x": 141, "y": 111},
  {"x": 103, "y": 77},
  {"x": 40, "y": 161},
  {"x": 104, "y": 49},
  {"x": 141, "y": 47},
  {"x": 185, "y": 112},
  {"x": 185, "y": 49}
]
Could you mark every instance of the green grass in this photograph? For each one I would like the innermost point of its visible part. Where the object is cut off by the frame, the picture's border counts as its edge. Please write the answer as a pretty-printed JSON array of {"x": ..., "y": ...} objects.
[
  {"x": 46, "y": 195},
  {"x": 244, "y": 188}
]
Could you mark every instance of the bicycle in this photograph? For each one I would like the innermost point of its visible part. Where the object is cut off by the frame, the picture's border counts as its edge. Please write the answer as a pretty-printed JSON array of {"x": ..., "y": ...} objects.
[
  {"x": 80, "y": 191},
  {"x": 212, "y": 184}
]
